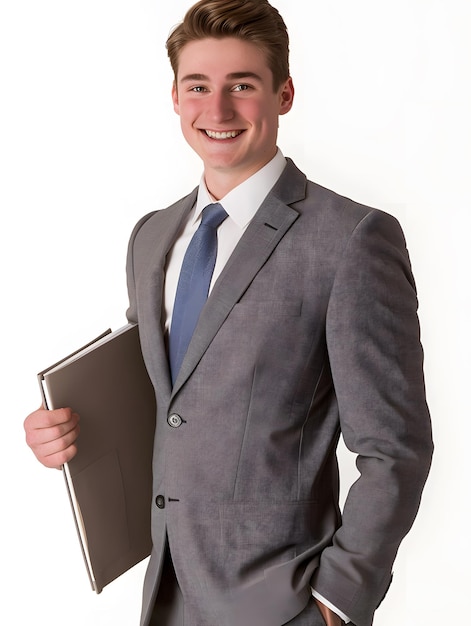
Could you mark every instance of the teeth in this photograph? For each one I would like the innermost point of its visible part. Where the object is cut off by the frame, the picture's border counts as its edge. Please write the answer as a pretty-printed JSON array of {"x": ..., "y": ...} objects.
[{"x": 230, "y": 134}]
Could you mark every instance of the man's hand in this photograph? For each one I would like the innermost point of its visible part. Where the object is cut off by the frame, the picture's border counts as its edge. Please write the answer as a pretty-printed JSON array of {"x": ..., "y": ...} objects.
[
  {"x": 51, "y": 435},
  {"x": 330, "y": 618}
]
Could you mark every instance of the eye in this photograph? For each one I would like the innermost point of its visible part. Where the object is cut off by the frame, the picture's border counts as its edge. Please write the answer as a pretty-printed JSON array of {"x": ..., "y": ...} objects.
[
  {"x": 198, "y": 89},
  {"x": 241, "y": 87}
]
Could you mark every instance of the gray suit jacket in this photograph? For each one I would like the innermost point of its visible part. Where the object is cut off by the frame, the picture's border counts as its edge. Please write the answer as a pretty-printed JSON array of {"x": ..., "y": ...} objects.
[{"x": 311, "y": 329}]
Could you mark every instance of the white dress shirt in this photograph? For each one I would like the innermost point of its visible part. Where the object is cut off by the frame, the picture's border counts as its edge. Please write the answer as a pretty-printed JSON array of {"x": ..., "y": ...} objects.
[{"x": 241, "y": 204}]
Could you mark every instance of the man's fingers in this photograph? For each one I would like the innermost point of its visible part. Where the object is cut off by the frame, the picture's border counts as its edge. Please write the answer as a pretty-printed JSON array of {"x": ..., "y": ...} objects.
[
  {"x": 49, "y": 428},
  {"x": 51, "y": 435}
]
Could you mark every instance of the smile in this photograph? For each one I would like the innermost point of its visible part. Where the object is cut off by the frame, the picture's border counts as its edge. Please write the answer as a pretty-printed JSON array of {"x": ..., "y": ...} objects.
[{"x": 228, "y": 134}]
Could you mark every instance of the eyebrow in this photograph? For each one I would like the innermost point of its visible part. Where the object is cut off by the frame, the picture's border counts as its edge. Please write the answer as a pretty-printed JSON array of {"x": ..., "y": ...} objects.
[{"x": 231, "y": 76}]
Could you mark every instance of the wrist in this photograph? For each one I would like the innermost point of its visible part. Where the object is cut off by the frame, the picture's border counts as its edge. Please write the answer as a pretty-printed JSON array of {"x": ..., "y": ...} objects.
[{"x": 330, "y": 618}]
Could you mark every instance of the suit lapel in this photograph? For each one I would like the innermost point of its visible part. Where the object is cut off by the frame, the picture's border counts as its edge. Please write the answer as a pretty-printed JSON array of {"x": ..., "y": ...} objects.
[
  {"x": 267, "y": 229},
  {"x": 170, "y": 223}
]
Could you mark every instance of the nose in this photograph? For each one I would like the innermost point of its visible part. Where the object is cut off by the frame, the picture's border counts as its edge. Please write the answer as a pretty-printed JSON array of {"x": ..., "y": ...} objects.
[{"x": 220, "y": 107}]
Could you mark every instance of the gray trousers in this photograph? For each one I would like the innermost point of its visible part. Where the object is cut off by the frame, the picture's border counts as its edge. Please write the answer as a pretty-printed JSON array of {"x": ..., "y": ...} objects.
[{"x": 169, "y": 606}]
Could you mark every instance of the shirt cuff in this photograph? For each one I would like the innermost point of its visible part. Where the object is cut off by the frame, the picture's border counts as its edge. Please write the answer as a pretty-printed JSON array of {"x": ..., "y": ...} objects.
[{"x": 330, "y": 606}]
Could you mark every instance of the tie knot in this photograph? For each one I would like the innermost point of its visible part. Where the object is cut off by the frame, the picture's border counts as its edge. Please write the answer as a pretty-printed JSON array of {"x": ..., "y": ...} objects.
[{"x": 213, "y": 215}]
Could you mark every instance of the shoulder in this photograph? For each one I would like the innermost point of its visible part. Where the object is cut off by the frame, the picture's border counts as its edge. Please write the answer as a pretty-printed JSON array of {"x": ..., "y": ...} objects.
[
  {"x": 330, "y": 213},
  {"x": 160, "y": 220}
]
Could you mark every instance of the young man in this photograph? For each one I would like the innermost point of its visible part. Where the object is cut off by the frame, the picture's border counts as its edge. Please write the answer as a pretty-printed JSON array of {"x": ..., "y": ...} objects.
[{"x": 310, "y": 328}]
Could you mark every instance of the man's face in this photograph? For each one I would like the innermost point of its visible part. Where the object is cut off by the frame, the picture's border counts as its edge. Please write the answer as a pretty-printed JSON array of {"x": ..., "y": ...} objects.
[{"x": 227, "y": 106}]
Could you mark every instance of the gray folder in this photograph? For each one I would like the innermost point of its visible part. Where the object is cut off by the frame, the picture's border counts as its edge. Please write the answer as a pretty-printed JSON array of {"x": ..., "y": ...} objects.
[{"x": 110, "y": 479}]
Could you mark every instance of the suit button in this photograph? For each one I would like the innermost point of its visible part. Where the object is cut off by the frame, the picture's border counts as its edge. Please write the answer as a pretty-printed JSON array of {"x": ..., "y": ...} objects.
[
  {"x": 174, "y": 420},
  {"x": 160, "y": 502}
]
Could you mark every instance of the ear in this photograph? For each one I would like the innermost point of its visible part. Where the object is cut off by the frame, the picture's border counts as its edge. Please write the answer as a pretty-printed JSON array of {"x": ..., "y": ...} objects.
[
  {"x": 286, "y": 96},
  {"x": 176, "y": 106}
]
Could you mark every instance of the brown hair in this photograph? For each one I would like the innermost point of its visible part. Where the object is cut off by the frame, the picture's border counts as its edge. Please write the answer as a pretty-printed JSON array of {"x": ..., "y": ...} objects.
[{"x": 255, "y": 21}]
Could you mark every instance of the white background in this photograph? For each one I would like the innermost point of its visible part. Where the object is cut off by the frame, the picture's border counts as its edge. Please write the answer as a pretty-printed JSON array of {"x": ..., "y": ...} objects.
[{"x": 89, "y": 143}]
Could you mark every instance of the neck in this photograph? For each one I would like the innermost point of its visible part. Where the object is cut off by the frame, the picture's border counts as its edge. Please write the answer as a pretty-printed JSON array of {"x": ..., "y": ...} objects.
[
  {"x": 220, "y": 182},
  {"x": 219, "y": 186}
]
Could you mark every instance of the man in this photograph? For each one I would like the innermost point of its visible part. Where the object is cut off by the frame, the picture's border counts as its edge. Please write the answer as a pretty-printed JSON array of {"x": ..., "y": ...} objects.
[{"x": 310, "y": 328}]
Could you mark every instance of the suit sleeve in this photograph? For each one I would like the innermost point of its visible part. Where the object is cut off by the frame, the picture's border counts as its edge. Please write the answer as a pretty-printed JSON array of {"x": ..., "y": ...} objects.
[{"x": 376, "y": 360}]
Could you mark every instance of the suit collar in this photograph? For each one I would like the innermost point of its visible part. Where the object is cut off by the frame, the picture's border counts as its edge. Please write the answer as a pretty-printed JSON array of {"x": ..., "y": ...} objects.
[{"x": 291, "y": 186}]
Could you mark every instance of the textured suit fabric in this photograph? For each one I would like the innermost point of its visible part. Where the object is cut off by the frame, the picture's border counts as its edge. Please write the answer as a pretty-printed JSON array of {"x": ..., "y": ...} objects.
[
  {"x": 310, "y": 329},
  {"x": 169, "y": 609}
]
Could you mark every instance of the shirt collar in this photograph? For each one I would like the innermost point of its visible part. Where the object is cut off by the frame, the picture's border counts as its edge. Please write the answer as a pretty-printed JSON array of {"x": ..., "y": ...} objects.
[{"x": 242, "y": 202}]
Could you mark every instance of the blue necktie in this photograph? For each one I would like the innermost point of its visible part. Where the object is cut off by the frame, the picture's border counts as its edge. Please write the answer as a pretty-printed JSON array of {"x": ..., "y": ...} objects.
[{"x": 193, "y": 284}]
